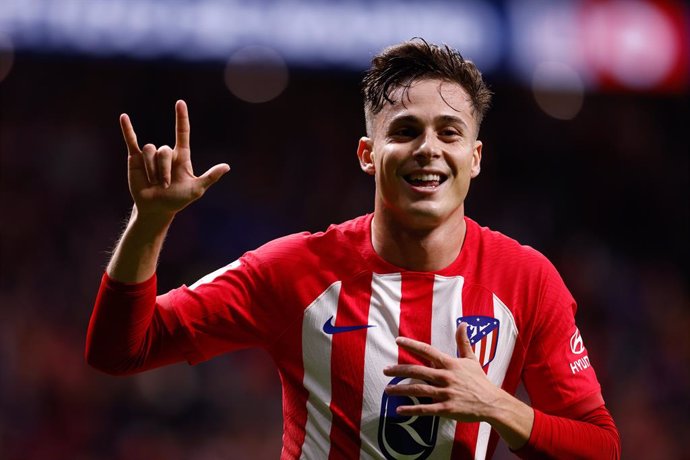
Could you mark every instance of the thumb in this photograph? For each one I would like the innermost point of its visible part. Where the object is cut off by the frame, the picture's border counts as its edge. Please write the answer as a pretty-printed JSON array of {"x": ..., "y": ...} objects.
[
  {"x": 214, "y": 173},
  {"x": 463, "y": 342}
]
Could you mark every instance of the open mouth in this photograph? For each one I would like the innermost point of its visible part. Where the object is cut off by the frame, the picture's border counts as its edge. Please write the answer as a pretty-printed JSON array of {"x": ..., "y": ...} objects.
[{"x": 425, "y": 180}]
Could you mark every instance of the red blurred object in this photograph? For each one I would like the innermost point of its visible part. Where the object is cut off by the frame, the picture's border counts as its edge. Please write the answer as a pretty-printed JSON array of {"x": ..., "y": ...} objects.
[{"x": 636, "y": 45}]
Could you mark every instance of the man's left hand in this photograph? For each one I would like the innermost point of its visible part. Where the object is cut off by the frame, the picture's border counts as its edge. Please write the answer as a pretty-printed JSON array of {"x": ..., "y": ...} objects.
[{"x": 458, "y": 387}]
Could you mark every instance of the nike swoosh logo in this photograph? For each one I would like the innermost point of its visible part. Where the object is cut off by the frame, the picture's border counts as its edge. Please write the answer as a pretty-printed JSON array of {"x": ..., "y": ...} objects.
[{"x": 329, "y": 328}]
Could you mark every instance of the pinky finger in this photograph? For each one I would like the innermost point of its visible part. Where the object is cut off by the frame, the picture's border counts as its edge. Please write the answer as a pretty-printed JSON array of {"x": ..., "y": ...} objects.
[{"x": 423, "y": 409}]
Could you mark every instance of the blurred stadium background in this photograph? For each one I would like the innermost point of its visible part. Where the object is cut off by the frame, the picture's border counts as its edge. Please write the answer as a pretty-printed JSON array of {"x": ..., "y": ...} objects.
[{"x": 585, "y": 158}]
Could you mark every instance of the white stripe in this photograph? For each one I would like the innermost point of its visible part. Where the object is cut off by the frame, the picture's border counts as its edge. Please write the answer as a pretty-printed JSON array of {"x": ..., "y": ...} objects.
[
  {"x": 316, "y": 356},
  {"x": 215, "y": 274},
  {"x": 482, "y": 441},
  {"x": 488, "y": 342},
  {"x": 446, "y": 308},
  {"x": 507, "y": 335},
  {"x": 380, "y": 351}
]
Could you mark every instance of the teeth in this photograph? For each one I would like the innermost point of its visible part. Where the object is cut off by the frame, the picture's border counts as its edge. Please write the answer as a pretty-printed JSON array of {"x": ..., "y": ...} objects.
[{"x": 425, "y": 177}]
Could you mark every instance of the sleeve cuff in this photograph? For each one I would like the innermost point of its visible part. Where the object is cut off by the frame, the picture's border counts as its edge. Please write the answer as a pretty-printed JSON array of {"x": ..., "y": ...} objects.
[
  {"x": 529, "y": 450},
  {"x": 121, "y": 286}
]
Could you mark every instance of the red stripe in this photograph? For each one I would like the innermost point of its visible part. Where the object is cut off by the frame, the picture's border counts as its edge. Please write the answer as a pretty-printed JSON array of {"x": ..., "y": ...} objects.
[
  {"x": 347, "y": 368},
  {"x": 494, "y": 342},
  {"x": 415, "y": 312},
  {"x": 476, "y": 300},
  {"x": 294, "y": 394},
  {"x": 482, "y": 351}
]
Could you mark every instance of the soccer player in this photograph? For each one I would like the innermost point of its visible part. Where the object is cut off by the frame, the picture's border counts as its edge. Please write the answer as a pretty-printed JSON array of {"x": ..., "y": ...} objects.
[{"x": 401, "y": 334}]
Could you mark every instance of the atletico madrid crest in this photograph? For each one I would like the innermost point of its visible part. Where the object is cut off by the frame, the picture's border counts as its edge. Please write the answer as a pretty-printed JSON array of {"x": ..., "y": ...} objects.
[{"x": 483, "y": 334}]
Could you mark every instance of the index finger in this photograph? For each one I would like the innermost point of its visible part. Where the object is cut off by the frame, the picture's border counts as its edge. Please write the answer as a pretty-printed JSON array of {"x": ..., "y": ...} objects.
[
  {"x": 181, "y": 125},
  {"x": 129, "y": 134},
  {"x": 422, "y": 349}
]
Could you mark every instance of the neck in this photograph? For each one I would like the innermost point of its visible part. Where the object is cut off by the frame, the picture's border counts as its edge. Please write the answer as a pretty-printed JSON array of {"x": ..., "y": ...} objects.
[{"x": 418, "y": 249}]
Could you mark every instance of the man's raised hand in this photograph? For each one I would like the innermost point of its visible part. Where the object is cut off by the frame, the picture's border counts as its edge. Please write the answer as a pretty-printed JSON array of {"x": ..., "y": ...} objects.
[{"x": 161, "y": 180}]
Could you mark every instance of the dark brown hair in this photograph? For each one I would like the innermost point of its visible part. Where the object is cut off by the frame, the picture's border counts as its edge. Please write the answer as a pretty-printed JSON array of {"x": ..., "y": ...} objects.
[{"x": 403, "y": 64}]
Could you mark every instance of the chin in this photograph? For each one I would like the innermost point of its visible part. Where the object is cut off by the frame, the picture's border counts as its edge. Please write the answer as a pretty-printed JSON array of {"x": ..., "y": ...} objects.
[{"x": 426, "y": 217}]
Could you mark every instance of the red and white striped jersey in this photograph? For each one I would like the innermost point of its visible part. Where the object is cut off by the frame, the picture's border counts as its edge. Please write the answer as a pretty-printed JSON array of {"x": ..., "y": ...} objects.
[{"x": 328, "y": 310}]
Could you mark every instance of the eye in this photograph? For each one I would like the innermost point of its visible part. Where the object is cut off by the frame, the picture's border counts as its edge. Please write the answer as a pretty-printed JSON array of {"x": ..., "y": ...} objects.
[
  {"x": 450, "y": 133},
  {"x": 404, "y": 133}
]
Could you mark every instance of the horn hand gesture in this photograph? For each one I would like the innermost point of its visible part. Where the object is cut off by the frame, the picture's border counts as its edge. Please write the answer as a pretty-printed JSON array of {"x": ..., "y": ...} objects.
[{"x": 162, "y": 180}]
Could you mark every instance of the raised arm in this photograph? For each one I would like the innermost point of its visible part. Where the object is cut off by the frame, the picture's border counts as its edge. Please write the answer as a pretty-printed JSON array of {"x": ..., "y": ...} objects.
[
  {"x": 162, "y": 183},
  {"x": 126, "y": 334}
]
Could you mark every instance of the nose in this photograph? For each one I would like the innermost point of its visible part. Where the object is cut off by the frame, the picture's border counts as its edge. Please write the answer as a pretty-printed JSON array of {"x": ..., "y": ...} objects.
[{"x": 428, "y": 148}]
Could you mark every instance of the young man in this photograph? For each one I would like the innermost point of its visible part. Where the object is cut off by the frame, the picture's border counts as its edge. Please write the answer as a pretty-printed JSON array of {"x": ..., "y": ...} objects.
[{"x": 399, "y": 334}]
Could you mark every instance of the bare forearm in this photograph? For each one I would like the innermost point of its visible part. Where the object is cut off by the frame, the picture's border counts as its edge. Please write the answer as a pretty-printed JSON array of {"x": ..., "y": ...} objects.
[
  {"x": 136, "y": 255},
  {"x": 125, "y": 335},
  {"x": 512, "y": 419},
  {"x": 533, "y": 434}
]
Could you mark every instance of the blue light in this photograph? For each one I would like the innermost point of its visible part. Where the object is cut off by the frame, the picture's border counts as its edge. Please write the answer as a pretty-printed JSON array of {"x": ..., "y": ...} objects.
[{"x": 307, "y": 33}]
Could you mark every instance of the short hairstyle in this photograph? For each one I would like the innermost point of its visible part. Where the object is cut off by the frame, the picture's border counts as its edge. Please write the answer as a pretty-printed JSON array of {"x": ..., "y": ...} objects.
[{"x": 401, "y": 65}]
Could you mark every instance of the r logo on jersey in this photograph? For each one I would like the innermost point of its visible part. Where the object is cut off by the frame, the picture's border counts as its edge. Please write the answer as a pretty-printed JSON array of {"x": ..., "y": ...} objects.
[
  {"x": 405, "y": 437},
  {"x": 483, "y": 334}
]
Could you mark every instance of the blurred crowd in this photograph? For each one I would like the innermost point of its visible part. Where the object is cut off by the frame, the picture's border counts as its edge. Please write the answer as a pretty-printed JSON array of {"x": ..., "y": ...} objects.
[{"x": 604, "y": 196}]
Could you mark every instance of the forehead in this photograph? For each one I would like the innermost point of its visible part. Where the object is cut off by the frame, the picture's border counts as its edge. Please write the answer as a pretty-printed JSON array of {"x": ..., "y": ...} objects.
[{"x": 427, "y": 100}]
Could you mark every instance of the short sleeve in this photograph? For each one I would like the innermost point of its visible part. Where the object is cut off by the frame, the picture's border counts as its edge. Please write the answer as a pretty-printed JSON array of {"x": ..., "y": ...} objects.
[{"x": 558, "y": 374}]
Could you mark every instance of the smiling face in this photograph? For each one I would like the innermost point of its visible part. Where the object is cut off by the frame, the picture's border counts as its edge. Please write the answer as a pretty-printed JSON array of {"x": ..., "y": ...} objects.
[{"x": 423, "y": 152}]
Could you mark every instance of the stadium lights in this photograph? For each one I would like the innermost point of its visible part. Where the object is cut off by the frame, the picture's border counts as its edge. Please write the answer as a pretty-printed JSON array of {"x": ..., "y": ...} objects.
[{"x": 607, "y": 44}]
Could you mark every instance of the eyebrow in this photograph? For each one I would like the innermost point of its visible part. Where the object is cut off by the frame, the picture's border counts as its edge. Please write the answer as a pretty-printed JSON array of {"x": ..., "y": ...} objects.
[
  {"x": 453, "y": 119},
  {"x": 443, "y": 118}
]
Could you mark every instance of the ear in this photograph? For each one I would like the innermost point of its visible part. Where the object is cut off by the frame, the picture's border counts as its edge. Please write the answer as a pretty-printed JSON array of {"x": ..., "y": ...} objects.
[
  {"x": 365, "y": 154},
  {"x": 476, "y": 159}
]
